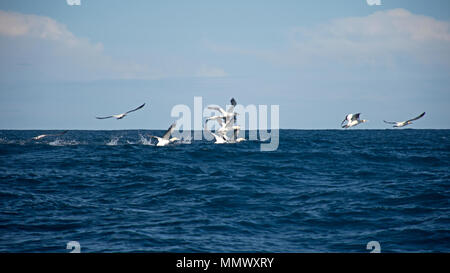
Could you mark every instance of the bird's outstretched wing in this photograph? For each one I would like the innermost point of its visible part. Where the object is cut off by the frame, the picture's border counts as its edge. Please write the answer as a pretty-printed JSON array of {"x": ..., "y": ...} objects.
[
  {"x": 356, "y": 116},
  {"x": 219, "y": 119},
  {"x": 419, "y": 116},
  {"x": 390, "y": 122},
  {"x": 221, "y": 122},
  {"x": 103, "y": 117},
  {"x": 218, "y": 109},
  {"x": 136, "y": 109},
  {"x": 169, "y": 131},
  {"x": 348, "y": 118},
  {"x": 229, "y": 122},
  {"x": 47, "y": 135}
]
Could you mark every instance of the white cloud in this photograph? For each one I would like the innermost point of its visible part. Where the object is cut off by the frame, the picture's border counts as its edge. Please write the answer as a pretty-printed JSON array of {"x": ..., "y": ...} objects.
[
  {"x": 36, "y": 47},
  {"x": 51, "y": 52},
  {"x": 383, "y": 38},
  {"x": 379, "y": 38},
  {"x": 27, "y": 25}
]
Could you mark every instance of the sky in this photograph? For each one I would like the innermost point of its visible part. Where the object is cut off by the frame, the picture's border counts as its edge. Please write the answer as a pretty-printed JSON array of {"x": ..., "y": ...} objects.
[{"x": 61, "y": 65}]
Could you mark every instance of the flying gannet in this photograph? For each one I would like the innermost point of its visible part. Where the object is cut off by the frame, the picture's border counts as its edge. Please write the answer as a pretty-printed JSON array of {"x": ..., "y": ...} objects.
[
  {"x": 165, "y": 139},
  {"x": 352, "y": 120},
  {"x": 121, "y": 116},
  {"x": 404, "y": 123},
  {"x": 47, "y": 135},
  {"x": 225, "y": 126},
  {"x": 226, "y": 115}
]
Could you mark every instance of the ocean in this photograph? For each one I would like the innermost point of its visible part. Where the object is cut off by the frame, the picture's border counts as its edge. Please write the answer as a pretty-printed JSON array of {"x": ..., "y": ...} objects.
[{"x": 320, "y": 191}]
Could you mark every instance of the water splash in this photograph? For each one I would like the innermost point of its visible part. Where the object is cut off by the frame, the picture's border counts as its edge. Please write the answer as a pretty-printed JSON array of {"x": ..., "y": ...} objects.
[
  {"x": 145, "y": 141},
  {"x": 60, "y": 142},
  {"x": 114, "y": 141}
]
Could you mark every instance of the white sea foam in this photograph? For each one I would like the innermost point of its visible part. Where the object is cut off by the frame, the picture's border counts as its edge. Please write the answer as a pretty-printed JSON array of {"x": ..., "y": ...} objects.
[
  {"x": 60, "y": 142},
  {"x": 113, "y": 141}
]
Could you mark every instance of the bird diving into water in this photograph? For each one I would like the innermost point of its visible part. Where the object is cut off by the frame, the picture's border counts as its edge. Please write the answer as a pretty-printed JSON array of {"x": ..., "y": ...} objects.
[
  {"x": 352, "y": 120},
  {"x": 404, "y": 123},
  {"x": 121, "y": 116},
  {"x": 165, "y": 139}
]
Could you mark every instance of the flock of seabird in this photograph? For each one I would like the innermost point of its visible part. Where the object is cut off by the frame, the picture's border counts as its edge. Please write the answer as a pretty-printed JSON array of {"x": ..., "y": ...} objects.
[
  {"x": 353, "y": 120},
  {"x": 227, "y": 123}
]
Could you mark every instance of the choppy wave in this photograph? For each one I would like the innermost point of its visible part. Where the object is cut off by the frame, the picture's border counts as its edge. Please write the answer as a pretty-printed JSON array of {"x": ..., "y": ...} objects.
[{"x": 318, "y": 192}]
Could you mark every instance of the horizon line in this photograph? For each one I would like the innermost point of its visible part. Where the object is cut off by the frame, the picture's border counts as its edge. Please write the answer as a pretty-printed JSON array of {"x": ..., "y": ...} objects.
[{"x": 307, "y": 129}]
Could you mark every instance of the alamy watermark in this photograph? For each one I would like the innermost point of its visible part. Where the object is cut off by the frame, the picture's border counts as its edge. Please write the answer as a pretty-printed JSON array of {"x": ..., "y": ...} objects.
[{"x": 252, "y": 118}]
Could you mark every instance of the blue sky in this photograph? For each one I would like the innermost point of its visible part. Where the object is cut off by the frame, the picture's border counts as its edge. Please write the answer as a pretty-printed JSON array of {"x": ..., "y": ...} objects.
[{"x": 62, "y": 65}]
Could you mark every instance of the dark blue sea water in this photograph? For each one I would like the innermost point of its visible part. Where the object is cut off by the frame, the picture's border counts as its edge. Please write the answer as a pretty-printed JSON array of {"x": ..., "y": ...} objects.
[{"x": 321, "y": 191}]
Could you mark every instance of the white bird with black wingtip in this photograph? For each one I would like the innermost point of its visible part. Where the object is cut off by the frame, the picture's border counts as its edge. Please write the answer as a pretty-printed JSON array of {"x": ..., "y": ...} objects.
[
  {"x": 224, "y": 126},
  {"x": 404, "y": 123},
  {"x": 48, "y": 135},
  {"x": 121, "y": 116},
  {"x": 226, "y": 116},
  {"x": 352, "y": 120}
]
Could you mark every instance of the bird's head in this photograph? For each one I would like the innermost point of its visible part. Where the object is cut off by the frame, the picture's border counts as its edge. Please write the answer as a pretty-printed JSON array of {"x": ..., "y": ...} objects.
[
  {"x": 174, "y": 139},
  {"x": 364, "y": 120}
]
